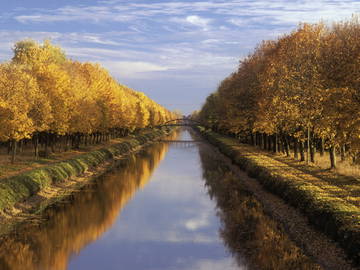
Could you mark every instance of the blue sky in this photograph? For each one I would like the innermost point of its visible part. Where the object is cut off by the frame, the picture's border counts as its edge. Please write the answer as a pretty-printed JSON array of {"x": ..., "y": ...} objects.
[{"x": 176, "y": 52}]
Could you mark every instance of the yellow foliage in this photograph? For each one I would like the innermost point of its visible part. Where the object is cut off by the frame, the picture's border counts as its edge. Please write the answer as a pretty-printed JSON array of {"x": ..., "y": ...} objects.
[
  {"x": 305, "y": 80},
  {"x": 17, "y": 98},
  {"x": 43, "y": 91}
]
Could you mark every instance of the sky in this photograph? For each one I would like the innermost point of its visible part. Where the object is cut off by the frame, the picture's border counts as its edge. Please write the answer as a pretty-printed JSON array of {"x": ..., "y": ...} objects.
[{"x": 176, "y": 52}]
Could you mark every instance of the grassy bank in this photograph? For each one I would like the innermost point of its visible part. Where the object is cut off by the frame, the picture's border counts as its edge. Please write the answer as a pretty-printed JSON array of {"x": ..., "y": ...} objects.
[
  {"x": 331, "y": 204},
  {"x": 20, "y": 187}
]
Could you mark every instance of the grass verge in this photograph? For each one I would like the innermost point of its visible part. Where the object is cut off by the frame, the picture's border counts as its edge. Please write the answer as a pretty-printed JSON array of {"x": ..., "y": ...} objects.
[{"x": 333, "y": 209}]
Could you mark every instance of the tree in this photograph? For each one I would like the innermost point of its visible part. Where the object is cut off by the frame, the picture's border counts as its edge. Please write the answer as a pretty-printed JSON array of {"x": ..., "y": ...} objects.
[{"x": 17, "y": 95}]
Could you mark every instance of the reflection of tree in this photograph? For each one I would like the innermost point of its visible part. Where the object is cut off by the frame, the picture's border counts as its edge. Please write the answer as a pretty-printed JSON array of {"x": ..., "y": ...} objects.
[
  {"x": 246, "y": 230},
  {"x": 89, "y": 214}
]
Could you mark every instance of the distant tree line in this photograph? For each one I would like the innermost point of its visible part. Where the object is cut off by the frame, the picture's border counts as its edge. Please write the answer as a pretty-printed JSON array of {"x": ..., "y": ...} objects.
[
  {"x": 299, "y": 92},
  {"x": 49, "y": 99}
]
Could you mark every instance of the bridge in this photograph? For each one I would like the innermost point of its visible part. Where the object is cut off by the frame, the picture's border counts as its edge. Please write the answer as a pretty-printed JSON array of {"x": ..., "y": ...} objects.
[{"x": 181, "y": 122}]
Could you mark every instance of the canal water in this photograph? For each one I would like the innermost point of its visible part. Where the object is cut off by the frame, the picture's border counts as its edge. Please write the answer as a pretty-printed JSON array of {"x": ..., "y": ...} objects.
[{"x": 172, "y": 206}]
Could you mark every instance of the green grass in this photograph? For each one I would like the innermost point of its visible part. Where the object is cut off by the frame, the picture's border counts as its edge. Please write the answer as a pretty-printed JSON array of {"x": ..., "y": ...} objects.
[{"x": 331, "y": 202}]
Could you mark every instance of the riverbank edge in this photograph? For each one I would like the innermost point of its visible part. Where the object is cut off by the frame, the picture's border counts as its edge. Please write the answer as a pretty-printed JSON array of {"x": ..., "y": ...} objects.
[
  {"x": 18, "y": 188},
  {"x": 338, "y": 223}
]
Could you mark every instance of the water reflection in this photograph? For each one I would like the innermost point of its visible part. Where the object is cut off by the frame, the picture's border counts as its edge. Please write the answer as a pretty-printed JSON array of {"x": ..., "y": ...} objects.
[
  {"x": 246, "y": 230},
  {"x": 74, "y": 225},
  {"x": 169, "y": 224}
]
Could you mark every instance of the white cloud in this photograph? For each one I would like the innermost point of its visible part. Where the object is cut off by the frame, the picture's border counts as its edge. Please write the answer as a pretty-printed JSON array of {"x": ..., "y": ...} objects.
[
  {"x": 92, "y": 14},
  {"x": 237, "y": 22},
  {"x": 198, "y": 21},
  {"x": 103, "y": 54},
  {"x": 211, "y": 41},
  {"x": 191, "y": 20},
  {"x": 195, "y": 42},
  {"x": 274, "y": 11},
  {"x": 68, "y": 40},
  {"x": 130, "y": 69},
  {"x": 200, "y": 221}
]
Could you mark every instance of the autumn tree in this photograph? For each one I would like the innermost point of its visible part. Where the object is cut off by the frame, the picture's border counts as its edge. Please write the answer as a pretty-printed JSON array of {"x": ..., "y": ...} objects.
[
  {"x": 46, "y": 97},
  {"x": 18, "y": 93},
  {"x": 302, "y": 87}
]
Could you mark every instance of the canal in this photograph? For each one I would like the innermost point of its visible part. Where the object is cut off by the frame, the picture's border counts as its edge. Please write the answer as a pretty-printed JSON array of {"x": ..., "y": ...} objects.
[{"x": 174, "y": 205}]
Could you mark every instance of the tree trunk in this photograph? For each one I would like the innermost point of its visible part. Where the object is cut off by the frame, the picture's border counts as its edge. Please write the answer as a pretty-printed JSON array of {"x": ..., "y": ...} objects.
[
  {"x": 354, "y": 157},
  {"x": 47, "y": 145},
  {"x": 308, "y": 146},
  {"x": 282, "y": 144},
  {"x": 296, "y": 149},
  {"x": 252, "y": 139},
  {"x": 36, "y": 145},
  {"x": 65, "y": 146},
  {"x": 21, "y": 144},
  {"x": 52, "y": 142},
  {"x": 9, "y": 147},
  {"x": 286, "y": 146},
  {"x": 332, "y": 157},
  {"x": 276, "y": 146},
  {"x": 270, "y": 139},
  {"x": 265, "y": 141},
  {"x": 322, "y": 146},
  {"x": 13, "y": 151},
  {"x": 312, "y": 152},
  {"x": 77, "y": 140},
  {"x": 302, "y": 154},
  {"x": 342, "y": 152}
]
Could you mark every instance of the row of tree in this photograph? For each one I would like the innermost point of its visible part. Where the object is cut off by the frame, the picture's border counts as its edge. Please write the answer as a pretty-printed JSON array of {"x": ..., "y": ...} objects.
[
  {"x": 46, "y": 97},
  {"x": 301, "y": 91}
]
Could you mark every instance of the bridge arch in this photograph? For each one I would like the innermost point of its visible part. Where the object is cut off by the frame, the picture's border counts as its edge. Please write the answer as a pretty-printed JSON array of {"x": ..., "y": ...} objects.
[{"x": 182, "y": 122}]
